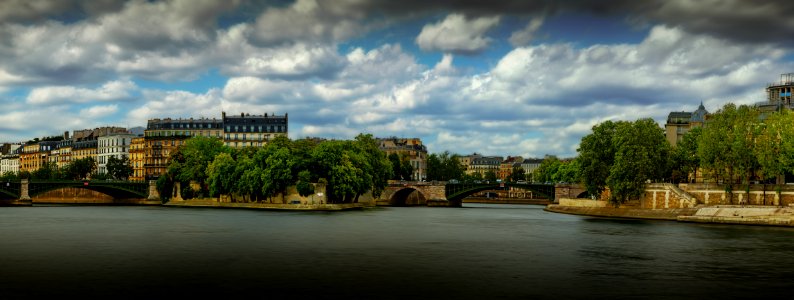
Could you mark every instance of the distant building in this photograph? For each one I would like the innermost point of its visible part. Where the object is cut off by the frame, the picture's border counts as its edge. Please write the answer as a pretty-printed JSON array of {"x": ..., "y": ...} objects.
[
  {"x": 530, "y": 165},
  {"x": 9, "y": 161},
  {"x": 84, "y": 149},
  {"x": 679, "y": 123},
  {"x": 484, "y": 164},
  {"x": 506, "y": 167},
  {"x": 466, "y": 162},
  {"x": 137, "y": 158},
  {"x": 412, "y": 149},
  {"x": 114, "y": 145},
  {"x": 163, "y": 136},
  {"x": 248, "y": 130},
  {"x": 780, "y": 92},
  {"x": 93, "y": 134}
]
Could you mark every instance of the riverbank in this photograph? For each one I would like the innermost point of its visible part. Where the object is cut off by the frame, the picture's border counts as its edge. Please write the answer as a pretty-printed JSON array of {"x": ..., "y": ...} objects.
[
  {"x": 720, "y": 214},
  {"x": 670, "y": 214},
  {"x": 506, "y": 201},
  {"x": 204, "y": 203}
]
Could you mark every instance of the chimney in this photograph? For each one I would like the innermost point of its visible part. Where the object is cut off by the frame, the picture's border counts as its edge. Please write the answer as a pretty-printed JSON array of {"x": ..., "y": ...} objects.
[{"x": 66, "y": 135}]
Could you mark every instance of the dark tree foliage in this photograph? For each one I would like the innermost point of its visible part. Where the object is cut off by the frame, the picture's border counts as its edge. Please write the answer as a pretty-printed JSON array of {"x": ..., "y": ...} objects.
[{"x": 119, "y": 169}]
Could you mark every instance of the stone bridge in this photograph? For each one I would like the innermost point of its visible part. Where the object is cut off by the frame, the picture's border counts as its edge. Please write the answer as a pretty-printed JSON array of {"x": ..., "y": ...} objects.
[
  {"x": 26, "y": 192},
  {"x": 440, "y": 193}
]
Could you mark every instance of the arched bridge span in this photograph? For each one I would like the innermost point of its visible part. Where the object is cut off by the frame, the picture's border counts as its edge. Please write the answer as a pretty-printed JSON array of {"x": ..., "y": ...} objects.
[{"x": 450, "y": 194}]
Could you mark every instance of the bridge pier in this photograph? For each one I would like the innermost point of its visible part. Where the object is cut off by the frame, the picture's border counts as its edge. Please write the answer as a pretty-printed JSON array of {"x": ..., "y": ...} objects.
[
  {"x": 24, "y": 196},
  {"x": 154, "y": 195}
]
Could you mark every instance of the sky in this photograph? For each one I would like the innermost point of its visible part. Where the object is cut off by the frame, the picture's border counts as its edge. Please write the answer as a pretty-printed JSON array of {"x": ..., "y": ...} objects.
[{"x": 525, "y": 78}]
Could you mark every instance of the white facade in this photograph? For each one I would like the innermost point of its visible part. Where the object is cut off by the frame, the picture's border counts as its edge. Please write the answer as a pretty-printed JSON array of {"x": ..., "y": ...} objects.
[
  {"x": 117, "y": 145},
  {"x": 9, "y": 163}
]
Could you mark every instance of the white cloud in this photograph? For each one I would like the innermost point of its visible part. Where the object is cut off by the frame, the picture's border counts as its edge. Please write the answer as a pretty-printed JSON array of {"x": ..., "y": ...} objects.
[
  {"x": 296, "y": 61},
  {"x": 110, "y": 91},
  {"x": 176, "y": 104},
  {"x": 99, "y": 111},
  {"x": 457, "y": 34}
]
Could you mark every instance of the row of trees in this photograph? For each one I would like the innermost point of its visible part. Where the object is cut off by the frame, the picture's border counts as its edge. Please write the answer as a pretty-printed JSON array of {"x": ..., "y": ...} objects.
[
  {"x": 349, "y": 168},
  {"x": 77, "y": 169},
  {"x": 738, "y": 145}
]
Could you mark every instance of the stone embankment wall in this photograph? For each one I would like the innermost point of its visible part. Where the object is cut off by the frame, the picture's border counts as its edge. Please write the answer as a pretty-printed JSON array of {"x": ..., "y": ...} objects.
[
  {"x": 71, "y": 195},
  {"x": 292, "y": 197},
  {"x": 713, "y": 194}
]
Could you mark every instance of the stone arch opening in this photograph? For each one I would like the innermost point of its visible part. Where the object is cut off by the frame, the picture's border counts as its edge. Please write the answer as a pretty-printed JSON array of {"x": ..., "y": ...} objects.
[{"x": 408, "y": 197}]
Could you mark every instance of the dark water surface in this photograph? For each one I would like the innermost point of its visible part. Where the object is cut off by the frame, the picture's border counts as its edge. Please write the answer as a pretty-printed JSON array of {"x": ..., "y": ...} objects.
[{"x": 477, "y": 252}]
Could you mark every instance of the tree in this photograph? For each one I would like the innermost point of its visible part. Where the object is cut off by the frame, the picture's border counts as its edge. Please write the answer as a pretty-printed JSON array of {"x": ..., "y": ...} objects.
[
  {"x": 726, "y": 146},
  {"x": 219, "y": 175},
  {"x": 304, "y": 185},
  {"x": 490, "y": 176},
  {"x": 119, "y": 168},
  {"x": 396, "y": 164},
  {"x": 596, "y": 157},
  {"x": 48, "y": 170},
  {"x": 444, "y": 167},
  {"x": 189, "y": 162},
  {"x": 641, "y": 155},
  {"x": 548, "y": 167},
  {"x": 685, "y": 155},
  {"x": 568, "y": 171},
  {"x": 517, "y": 173},
  {"x": 774, "y": 147}
]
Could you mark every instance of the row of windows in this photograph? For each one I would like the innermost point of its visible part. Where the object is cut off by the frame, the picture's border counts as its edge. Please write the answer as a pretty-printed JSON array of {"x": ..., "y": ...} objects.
[
  {"x": 254, "y": 128},
  {"x": 112, "y": 142}
]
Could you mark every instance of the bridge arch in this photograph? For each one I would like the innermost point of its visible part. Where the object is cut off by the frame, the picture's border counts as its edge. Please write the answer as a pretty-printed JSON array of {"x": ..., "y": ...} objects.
[{"x": 408, "y": 196}]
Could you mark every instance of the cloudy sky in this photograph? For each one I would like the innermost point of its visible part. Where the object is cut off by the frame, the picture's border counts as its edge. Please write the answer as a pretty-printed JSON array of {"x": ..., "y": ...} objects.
[{"x": 495, "y": 77}]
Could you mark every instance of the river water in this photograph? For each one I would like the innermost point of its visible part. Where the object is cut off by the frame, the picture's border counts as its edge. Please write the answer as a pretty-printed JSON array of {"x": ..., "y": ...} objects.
[{"x": 479, "y": 251}]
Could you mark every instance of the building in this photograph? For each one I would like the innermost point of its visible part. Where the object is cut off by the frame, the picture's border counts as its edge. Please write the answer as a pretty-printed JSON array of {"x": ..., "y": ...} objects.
[
  {"x": 248, "y": 130},
  {"x": 84, "y": 149},
  {"x": 93, "y": 134},
  {"x": 466, "y": 161},
  {"x": 482, "y": 165},
  {"x": 137, "y": 158},
  {"x": 9, "y": 161},
  {"x": 163, "y": 136},
  {"x": 411, "y": 149},
  {"x": 679, "y": 123},
  {"x": 530, "y": 165},
  {"x": 35, "y": 154},
  {"x": 113, "y": 145},
  {"x": 506, "y": 167},
  {"x": 63, "y": 155},
  {"x": 780, "y": 92}
]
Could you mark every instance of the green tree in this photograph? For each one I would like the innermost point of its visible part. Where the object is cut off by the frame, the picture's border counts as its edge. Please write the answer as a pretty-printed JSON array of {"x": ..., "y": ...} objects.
[
  {"x": 774, "y": 147},
  {"x": 642, "y": 154},
  {"x": 445, "y": 166},
  {"x": 304, "y": 185},
  {"x": 726, "y": 146},
  {"x": 219, "y": 175},
  {"x": 596, "y": 157},
  {"x": 119, "y": 169},
  {"x": 548, "y": 167},
  {"x": 490, "y": 176},
  {"x": 190, "y": 161},
  {"x": 568, "y": 171},
  {"x": 685, "y": 154},
  {"x": 277, "y": 174},
  {"x": 517, "y": 174},
  {"x": 48, "y": 170}
]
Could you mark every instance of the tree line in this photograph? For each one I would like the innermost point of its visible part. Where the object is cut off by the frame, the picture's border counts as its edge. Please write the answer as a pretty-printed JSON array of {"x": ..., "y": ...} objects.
[
  {"x": 737, "y": 146},
  {"x": 348, "y": 168}
]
